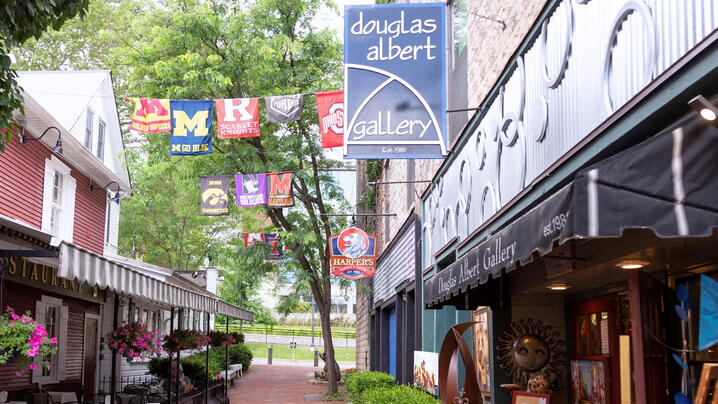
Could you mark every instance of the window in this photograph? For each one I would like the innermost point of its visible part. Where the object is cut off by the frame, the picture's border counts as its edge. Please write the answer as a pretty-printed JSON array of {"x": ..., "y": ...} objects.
[
  {"x": 101, "y": 140},
  {"x": 88, "y": 128},
  {"x": 459, "y": 23},
  {"x": 58, "y": 208},
  {"x": 50, "y": 312}
]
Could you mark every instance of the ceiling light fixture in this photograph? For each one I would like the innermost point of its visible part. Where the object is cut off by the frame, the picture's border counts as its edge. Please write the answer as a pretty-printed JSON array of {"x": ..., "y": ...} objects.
[
  {"x": 58, "y": 145},
  {"x": 705, "y": 108},
  {"x": 558, "y": 286},
  {"x": 631, "y": 264}
]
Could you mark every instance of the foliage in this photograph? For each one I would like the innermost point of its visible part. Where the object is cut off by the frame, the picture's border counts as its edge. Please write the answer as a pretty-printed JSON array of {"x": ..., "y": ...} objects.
[
  {"x": 21, "y": 20},
  {"x": 218, "y": 339},
  {"x": 180, "y": 340},
  {"x": 358, "y": 382},
  {"x": 134, "y": 340},
  {"x": 395, "y": 395},
  {"x": 23, "y": 339},
  {"x": 238, "y": 337},
  {"x": 240, "y": 353},
  {"x": 337, "y": 396}
]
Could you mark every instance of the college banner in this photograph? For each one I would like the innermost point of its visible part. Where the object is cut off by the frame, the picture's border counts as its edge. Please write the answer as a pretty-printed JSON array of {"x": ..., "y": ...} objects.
[
  {"x": 150, "y": 115},
  {"x": 275, "y": 251},
  {"x": 352, "y": 254},
  {"x": 395, "y": 74},
  {"x": 330, "y": 107},
  {"x": 191, "y": 127},
  {"x": 251, "y": 189},
  {"x": 237, "y": 117},
  {"x": 284, "y": 108},
  {"x": 279, "y": 194},
  {"x": 251, "y": 238},
  {"x": 214, "y": 191}
]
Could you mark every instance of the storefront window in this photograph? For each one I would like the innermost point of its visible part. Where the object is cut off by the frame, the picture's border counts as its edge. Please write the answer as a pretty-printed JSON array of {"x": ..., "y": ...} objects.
[{"x": 51, "y": 312}]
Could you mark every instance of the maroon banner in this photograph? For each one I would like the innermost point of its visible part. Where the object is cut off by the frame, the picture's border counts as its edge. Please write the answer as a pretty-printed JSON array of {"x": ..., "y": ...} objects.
[
  {"x": 330, "y": 107},
  {"x": 279, "y": 190}
]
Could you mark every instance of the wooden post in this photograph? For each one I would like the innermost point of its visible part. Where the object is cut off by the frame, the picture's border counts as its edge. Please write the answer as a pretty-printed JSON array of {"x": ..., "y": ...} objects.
[
  {"x": 113, "y": 386},
  {"x": 206, "y": 365},
  {"x": 639, "y": 371}
]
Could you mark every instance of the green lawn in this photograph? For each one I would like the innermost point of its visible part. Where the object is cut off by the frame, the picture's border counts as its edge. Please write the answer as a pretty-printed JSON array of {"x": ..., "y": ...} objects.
[
  {"x": 284, "y": 330},
  {"x": 301, "y": 353}
]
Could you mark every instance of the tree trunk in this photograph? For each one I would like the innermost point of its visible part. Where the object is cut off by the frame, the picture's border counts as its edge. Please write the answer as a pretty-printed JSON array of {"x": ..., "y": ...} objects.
[{"x": 324, "y": 311}]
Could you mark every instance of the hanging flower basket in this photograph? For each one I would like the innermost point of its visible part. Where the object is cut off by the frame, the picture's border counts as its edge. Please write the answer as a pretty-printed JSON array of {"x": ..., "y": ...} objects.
[
  {"x": 134, "y": 340},
  {"x": 184, "y": 339},
  {"x": 218, "y": 338},
  {"x": 22, "y": 339}
]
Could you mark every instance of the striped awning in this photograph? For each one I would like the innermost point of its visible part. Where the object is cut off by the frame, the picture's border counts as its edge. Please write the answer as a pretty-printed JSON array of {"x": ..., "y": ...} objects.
[
  {"x": 230, "y": 310},
  {"x": 86, "y": 266}
]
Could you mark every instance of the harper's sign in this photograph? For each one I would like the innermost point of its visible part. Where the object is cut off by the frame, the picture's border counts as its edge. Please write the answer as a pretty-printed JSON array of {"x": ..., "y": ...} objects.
[
  {"x": 352, "y": 254},
  {"x": 45, "y": 277},
  {"x": 395, "y": 72}
]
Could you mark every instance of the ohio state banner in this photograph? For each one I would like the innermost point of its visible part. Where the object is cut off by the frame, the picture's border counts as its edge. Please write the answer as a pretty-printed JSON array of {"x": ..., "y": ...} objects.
[
  {"x": 279, "y": 193},
  {"x": 251, "y": 189},
  {"x": 330, "y": 107},
  {"x": 251, "y": 238},
  {"x": 191, "y": 127},
  {"x": 237, "y": 117},
  {"x": 352, "y": 254},
  {"x": 284, "y": 108},
  {"x": 214, "y": 191},
  {"x": 150, "y": 115}
]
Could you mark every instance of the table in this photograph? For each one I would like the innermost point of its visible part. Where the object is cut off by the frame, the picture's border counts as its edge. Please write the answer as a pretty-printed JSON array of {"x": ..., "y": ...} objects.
[{"x": 63, "y": 396}]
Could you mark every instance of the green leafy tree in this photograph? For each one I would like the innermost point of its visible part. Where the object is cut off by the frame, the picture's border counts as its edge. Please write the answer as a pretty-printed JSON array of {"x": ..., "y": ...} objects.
[{"x": 21, "y": 20}]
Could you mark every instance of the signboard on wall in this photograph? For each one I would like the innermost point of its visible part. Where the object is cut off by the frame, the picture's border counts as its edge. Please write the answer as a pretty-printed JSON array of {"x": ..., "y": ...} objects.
[
  {"x": 352, "y": 254},
  {"x": 395, "y": 81}
]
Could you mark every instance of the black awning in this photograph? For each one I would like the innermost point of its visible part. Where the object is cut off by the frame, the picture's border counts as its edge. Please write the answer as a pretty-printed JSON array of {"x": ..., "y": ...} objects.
[{"x": 668, "y": 184}]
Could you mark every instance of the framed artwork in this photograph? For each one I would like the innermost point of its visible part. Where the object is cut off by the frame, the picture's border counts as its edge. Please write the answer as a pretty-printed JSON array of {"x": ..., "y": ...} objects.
[
  {"x": 708, "y": 382},
  {"x": 588, "y": 381},
  {"x": 426, "y": 371},
  {"x": 482, "y": 348},
  {"x": 522, "y": 397}
]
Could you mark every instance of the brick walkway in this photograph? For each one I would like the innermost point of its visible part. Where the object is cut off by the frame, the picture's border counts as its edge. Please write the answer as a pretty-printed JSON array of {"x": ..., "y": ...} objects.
[{"x": 276, "y": 384}]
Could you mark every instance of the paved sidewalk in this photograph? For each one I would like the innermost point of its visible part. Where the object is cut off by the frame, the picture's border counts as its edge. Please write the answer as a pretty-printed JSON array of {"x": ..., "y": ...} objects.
[
  {"x": 287, "y": 362},
  {"x": 276, "y": 384}
]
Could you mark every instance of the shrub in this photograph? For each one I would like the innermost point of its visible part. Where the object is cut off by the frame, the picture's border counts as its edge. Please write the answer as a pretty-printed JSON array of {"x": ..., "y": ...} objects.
[
  {"x": 159, "y": 367},
  {"x": 240, "y": 353},
  {"x": 219, "y": 338},
  {"x": 395, "y": 395},
  {"x": 238, "y": 337},
  {"x": 358, "y": 382}
]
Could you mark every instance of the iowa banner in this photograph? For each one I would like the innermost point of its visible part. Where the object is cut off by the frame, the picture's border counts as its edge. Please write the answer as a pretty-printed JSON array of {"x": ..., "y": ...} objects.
[
  {"x": 284, "y": 108},
  {"x": 214, "y": 190},
  {"x": 330, "y": 107},
  {"x": 191, "y": 127},
  {"x": 150, "y": 115},
  {"x": 237, "y": 117},
  {"x": 280, "y": 194},
  {"x": 251, "y": 189}
]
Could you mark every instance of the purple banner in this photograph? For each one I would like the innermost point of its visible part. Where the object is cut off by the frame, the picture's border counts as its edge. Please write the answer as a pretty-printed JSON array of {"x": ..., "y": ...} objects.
[{"x": 251, "y": 189}]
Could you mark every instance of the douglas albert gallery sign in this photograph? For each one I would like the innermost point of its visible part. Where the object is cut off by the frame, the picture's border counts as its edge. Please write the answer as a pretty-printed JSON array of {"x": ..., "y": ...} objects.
[{"x": 395, "y": 75}]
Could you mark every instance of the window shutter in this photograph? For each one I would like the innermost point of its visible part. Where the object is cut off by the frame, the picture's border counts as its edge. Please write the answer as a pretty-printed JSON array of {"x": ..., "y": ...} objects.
[
  {"x": 47, "y": 196},
  {"x": 69, "y": 225},
  {"x": 62, "y": 343},
  {"x": 39, "y": 318}
]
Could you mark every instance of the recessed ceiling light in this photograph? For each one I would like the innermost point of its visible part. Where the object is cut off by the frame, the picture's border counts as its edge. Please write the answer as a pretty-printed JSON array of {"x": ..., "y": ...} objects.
[
  {"x": 708, "y": 115},
  {"x": 558, "y": 286},
  {"x": 631, "y": 264}
]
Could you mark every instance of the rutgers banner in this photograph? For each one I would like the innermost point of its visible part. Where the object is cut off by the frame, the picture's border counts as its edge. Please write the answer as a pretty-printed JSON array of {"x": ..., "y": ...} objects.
[
  {"x": 215, "y": 201},
  {"x": 279, "y": 193},
  {"x": 237, "y": 117},
  {"x": 191, "y": 127},
  {"x": 150, "y": 115},
  {"x": 330, "y": 107}
]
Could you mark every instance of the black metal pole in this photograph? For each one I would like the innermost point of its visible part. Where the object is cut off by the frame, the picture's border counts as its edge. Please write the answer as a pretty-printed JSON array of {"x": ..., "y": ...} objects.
[
  {"x": 113, "y": 387},
  {"x": 226, "y": 356},
  {"x": 177, "y": 378},
  {"x": 206, "y": 366},
  {"x": 172, "y": 329}
]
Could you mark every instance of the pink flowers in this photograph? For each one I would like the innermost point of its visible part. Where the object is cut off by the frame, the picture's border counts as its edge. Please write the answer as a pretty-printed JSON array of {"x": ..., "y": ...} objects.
[
  {"x": 11, "y": 324},
  {"x": 14, "y": 316},
  {"x": 134, "y": 340},
  {"x": 53, "y": 340},
  {"x": 25, "y": 341}
]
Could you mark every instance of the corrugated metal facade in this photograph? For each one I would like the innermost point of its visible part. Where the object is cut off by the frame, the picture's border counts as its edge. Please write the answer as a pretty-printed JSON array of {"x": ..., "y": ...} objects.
[{"x": 396, "y": 266}]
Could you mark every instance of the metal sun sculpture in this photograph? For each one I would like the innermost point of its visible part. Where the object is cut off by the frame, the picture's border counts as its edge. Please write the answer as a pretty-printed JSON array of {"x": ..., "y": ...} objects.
[{"x": 531, "y": 349}]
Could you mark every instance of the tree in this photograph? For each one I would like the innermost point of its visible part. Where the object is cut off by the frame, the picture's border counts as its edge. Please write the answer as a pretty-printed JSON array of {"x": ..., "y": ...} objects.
[
  {"x": 222, "y": 50},
  {"x": 21, "y": 20}
]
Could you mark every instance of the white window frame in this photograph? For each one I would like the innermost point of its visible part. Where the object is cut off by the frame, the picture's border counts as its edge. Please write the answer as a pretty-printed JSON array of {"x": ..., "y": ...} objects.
[
  {"x": 101, "y": 139},
  {"x": 57, "y": 369},
  {"x": 89, "y": 128},
  {"x": 65, "y": 228}
]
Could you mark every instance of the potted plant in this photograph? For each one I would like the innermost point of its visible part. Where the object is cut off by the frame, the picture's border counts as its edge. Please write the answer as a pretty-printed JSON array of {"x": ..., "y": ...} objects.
[
  {"x": 134, "y": 340},
  {"x": 218, "y": 339},
  {"x": 24, "y": 340},
  {"x": 184, "y": 339}
]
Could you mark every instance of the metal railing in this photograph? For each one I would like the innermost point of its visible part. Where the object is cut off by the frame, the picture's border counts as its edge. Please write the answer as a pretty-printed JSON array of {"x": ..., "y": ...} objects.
[{"x": 291, "y": 332}]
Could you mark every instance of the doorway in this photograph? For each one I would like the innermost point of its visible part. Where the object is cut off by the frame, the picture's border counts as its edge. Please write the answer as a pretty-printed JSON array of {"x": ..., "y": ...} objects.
[{"x": 89, "y": 353}]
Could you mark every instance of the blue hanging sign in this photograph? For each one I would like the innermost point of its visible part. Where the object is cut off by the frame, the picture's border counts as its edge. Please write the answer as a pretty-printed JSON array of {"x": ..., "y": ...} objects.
[
  {"x": 395, "y": 81},
  {"x": 191, "y": 127}
]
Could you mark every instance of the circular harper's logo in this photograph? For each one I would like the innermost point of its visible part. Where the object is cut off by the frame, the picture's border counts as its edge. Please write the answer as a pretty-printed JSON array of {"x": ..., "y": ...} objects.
[{"x": 353, "y": 243}]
